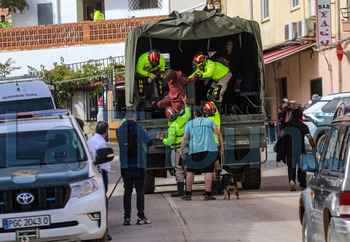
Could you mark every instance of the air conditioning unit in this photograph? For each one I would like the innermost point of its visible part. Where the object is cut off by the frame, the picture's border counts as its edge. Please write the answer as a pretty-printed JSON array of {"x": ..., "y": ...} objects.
[
  {"x": 306, "y": 28},
  {"x": 290, "y": 31}
]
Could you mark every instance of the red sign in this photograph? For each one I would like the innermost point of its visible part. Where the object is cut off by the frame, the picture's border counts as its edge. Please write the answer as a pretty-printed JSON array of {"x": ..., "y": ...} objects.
[{"x": 340, "y": 52}]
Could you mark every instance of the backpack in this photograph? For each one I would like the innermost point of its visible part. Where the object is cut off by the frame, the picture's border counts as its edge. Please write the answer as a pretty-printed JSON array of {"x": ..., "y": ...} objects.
[{"x": 132, "y": 141}]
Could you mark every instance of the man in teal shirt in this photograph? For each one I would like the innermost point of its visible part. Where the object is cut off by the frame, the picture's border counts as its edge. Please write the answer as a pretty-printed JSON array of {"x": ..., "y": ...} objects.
[
  {"x": 203, "y": 151},
  {"x": 152, "y": 65}
]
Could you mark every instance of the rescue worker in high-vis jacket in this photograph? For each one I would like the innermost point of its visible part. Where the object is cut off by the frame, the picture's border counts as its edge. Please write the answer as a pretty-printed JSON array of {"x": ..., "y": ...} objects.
[
  {"x": 176, "y": 130},
  {"x": 152, "y": 65},
  {"x": 3, "y": 23},
  {"x": 98, "y": 15},
  {"x": 211, "y": 111},
  {"x": 220, "y": 74}
]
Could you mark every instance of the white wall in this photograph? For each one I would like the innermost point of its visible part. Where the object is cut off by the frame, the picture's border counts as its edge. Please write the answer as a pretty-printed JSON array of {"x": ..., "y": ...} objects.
[
  {"x": 68, "y": 10},
  {"x": 47, "y": 57},
  {"x": 119, "y": 9},
  {"x": 64, "y": 11},
  {"x": 181, "y": 5}
]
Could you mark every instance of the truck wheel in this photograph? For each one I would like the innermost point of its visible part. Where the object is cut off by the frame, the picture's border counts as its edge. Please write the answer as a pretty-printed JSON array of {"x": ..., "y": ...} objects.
[
  {"x": 149, "y": 182},
  {"x": 251, "y": 178}
]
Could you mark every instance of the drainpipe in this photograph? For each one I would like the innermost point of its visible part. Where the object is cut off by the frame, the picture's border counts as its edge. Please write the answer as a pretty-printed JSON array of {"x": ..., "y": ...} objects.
[
  {"x": 58, "y": 11},
  {"x": 251, "y": 9},
  {"x": 276, "y": 99},
  {"x": 338, "y": 38}
]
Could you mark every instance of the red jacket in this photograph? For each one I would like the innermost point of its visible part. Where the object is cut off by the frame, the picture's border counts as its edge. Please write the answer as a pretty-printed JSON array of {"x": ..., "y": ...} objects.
[{"x": 176, "y": 90}]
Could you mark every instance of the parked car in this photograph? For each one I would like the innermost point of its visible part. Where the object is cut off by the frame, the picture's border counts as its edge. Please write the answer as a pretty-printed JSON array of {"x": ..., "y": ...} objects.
[
  {"x": 324, "y": 206},
  {"x": 320, "y": 114},
  {"x": 50, "y": 186}
]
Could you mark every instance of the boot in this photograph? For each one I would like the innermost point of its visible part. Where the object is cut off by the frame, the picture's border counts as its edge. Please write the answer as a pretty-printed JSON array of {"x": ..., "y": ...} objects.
[
  {"x": 214, "y": 187},
  {"x": 180, "y": 190}
]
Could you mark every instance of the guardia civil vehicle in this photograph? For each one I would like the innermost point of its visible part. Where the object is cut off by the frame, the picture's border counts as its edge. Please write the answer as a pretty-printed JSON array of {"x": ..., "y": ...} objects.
[{"x": 179, "y": 38}]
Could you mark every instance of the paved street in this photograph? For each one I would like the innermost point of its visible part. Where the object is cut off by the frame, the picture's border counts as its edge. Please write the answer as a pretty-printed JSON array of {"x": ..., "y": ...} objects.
[{"x": 268, "y": 214}]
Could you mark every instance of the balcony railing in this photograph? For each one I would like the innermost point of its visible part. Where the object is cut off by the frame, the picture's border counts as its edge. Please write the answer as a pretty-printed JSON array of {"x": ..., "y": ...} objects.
[{"x": 62, "y": 35}]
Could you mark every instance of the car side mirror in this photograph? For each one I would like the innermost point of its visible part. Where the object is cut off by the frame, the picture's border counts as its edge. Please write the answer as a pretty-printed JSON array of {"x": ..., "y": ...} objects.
[
  {"x": 308, "y": 162},
  {"x": 104, "y": 155}
]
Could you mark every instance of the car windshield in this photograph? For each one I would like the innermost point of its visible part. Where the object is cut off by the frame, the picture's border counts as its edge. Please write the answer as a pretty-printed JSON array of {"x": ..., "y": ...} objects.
[
  {"x": 44, "y": 147},
  {"x": 26, "y": 105}
]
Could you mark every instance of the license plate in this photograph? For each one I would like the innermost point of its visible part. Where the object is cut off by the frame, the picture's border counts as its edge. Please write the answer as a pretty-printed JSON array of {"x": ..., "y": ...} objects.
[
  {"x": 25, "y": 222},
  {"x": 242, "y": 142}
]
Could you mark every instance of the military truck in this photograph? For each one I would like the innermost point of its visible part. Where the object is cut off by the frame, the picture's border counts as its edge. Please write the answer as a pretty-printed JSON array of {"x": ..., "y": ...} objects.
[{"x": 179, "y": 38}]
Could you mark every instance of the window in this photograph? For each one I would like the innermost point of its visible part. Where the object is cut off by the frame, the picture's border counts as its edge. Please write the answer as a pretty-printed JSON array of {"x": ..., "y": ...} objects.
[
  {"x": 26, "y": 105},
  {"x": 312, "y": 8},
  {"x": 45, "y": 14},
  {"x": 91, "y": 114},
  {"x": 338, "y": 161},
  {"x": 329, "y": 154},
  {"x": 144, "y": 4},
  {"x": 265, "y": 9},
  {"x": 331, "y": 106},
  {"x": 294, "y": 4}
]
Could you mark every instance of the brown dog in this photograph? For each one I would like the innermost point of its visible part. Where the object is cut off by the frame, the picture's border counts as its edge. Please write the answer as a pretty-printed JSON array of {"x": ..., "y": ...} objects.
[{"x": 229, "y": 181}]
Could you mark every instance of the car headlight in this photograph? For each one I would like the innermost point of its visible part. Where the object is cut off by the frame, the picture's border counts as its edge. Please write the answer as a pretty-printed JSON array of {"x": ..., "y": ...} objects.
[{"x": 83, "y": 188}]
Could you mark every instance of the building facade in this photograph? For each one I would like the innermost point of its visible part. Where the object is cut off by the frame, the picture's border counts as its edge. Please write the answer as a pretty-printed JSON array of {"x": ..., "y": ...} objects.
[
  {"x": 298, "y": 72},
  {"x": 44, "y": 12}
]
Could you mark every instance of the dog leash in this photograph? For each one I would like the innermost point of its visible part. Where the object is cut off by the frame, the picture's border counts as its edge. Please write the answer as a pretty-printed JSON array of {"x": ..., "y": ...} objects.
[{"x": 115, "y": 186}]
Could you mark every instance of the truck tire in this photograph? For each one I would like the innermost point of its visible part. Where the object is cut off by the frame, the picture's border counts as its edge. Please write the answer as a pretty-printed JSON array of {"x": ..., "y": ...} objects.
[
  {"x": 149, "y": 182},
  {"x": 251, "y": 178}
]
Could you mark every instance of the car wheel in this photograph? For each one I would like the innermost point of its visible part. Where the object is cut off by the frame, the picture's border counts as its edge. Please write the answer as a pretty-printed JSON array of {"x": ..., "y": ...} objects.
[
  {"x": 329, "y": 233},
  {"x": 305, "y": 230}
]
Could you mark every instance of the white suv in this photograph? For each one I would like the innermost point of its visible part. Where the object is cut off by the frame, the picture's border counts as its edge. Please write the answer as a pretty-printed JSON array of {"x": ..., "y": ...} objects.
[
  {"x": 320, "y": 114},
  {"x": 50, "y": 187}
]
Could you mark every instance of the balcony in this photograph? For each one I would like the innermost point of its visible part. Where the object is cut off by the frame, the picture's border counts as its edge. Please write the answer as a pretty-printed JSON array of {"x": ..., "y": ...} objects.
[{"x": 72, "y": 34}]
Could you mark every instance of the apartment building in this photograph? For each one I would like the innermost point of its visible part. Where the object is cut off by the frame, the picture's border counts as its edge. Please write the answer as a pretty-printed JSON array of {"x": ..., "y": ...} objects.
[
  {"x": 44, "y": 12},
  {"x": 296, "y": 66}
]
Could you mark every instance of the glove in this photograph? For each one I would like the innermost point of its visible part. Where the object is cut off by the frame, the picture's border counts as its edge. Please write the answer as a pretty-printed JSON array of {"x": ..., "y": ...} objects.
[{"x": 152, "y": 76}]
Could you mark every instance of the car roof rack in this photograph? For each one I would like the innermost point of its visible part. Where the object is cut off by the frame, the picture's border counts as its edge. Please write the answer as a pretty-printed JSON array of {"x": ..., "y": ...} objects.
[
  {"x": 13, "y": 79},
  {"x": 35, "y": 114}
]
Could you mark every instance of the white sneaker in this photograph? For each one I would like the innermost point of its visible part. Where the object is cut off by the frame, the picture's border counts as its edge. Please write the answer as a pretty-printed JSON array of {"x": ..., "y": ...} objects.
[{"x": 292, "y": 186}]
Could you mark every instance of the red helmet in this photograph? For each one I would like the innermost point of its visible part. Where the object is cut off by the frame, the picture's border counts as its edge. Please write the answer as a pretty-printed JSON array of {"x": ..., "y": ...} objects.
[
  {"x": 198, "y": 59},
  {"x": 171, "y": 113},
  {"x": 154, "y": 57},
  {"x": 209, "y": 109}
]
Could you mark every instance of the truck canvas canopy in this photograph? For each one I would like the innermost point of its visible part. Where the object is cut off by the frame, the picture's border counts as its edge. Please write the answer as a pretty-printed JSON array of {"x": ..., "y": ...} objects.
[{"x": 182, "y": 35}]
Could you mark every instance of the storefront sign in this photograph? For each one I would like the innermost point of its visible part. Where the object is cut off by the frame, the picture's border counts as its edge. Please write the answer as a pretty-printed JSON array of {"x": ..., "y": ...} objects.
[{"x": 323, "y": 22}]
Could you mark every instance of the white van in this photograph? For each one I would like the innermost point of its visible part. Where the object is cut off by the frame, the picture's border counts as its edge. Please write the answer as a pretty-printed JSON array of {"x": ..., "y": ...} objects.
[{"x": 25, "y": 96}]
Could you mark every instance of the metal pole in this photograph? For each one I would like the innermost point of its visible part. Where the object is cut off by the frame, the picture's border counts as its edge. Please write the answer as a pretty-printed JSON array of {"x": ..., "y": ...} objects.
[{"x": 275, "y": 82}]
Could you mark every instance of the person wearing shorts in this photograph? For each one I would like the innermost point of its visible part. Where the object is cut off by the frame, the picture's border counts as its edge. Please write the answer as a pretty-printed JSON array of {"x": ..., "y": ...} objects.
[{"x": 203, "y": 151}]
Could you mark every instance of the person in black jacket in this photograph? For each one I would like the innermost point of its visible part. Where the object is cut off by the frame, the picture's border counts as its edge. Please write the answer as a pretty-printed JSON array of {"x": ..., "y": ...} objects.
[
  {"x": 294, "y": 146},
  {"x": 133, "y": 141}
]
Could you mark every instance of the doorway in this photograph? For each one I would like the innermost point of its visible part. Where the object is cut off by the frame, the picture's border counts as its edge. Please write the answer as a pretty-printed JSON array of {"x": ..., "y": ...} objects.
[
  {"x": 281, "y": 90},
  {"x": 90, "y": 5},
  {"x": 316, "y": 87}
]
